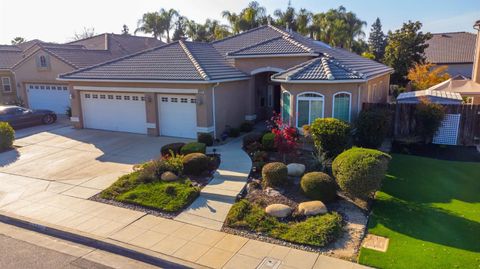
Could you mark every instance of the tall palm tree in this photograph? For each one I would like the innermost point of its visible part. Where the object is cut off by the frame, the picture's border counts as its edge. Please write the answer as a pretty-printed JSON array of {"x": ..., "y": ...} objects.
[
  {"x": 250, "y": 17},
  {"x": 234, "y": 20},
  {"x": 166, "y": 18},
  {"x": 150, "y": 23},
  {"x": 303, "y": 21}
]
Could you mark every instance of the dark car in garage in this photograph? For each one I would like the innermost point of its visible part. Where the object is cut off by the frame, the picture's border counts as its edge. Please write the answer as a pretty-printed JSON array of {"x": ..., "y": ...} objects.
[{"x": 19, "y": 117}]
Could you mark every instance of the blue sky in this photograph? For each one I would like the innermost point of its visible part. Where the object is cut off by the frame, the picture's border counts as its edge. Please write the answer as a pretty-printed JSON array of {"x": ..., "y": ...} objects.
[{"x": 58, "y": 20}]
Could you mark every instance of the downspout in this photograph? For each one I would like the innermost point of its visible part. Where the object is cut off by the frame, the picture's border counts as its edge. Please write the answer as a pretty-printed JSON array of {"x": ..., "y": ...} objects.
[
  {"x": 358, "y": 100},
  {"x": 214, "y": 111}
]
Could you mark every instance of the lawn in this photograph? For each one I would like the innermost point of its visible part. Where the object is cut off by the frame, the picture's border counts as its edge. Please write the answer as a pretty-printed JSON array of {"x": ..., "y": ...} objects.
[{"x": 430, "y": 210}]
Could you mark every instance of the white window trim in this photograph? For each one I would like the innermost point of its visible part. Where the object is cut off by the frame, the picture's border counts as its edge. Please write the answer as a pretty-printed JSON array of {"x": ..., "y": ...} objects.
[
  {"x": 300, "y": 97},
  {"x": 9, "y": 84},
  {"x": 281, "y": 109},
  {"x": 349, "y": 104}
]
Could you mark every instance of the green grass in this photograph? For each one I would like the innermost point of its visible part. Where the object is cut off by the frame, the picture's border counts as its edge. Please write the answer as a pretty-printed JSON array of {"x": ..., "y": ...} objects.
[
  {"x": 165, "y": 196},
  {"x": 430, "y": 210},
  {"x": 314, "y": 231}
]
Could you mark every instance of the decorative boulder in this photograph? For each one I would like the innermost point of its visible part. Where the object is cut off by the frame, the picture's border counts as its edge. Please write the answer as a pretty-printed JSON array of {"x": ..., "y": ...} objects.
[
  {"x": 296, "y": 169},
  {"x": 278, "y": 210},
  {"x": 168, "y": 176},
  {"x": 312, "y": 208}
]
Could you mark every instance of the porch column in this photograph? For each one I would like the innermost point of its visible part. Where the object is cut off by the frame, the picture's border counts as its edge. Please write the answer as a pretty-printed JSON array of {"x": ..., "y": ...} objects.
[{"x": 250, "y": 101}]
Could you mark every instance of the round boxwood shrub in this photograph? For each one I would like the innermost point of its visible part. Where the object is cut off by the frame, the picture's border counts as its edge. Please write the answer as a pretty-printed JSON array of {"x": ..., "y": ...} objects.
[
  {"x": 274, "y": 174},
  {"x": 193, "y": 147},
  {"x": 268, "y": 141},
  {"x": 195, "y": 163},
  {"x": 331, "y": 136},
  {"x": 174, "y": 147},
  {"x": 372, "y": 127},
  {"x": 319, "y": 186},
  {"x": 7, "y": 135},
  {"x": 359, "y": 171},
  {"x": 205, "y": 138},
  {"x": 251, "y": 138}
]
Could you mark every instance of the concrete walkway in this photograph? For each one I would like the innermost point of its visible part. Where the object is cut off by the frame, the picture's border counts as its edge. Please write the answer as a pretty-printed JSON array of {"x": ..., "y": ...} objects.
[
  {"x": 215, "y": 200},
  {"x": 44, "y": 203}
]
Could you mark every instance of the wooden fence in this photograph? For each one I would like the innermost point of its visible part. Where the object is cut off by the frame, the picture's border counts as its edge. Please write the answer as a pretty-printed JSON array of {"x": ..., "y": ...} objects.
[{"x": 403, "y": 120}]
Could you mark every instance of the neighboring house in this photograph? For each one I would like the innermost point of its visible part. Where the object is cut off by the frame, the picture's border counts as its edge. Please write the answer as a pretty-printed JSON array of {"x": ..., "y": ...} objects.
[
  {"x": 454, "y": 50},
  {"x": 469, "y": 89},
  {"x": 184, "y": 88},
  {"x": 41, "y": 63},
  {"x": 9, "y": 55}
]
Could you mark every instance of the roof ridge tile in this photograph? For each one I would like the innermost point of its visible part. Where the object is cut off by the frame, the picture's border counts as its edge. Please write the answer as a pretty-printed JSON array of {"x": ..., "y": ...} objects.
[{"x": 194, "y": 61}]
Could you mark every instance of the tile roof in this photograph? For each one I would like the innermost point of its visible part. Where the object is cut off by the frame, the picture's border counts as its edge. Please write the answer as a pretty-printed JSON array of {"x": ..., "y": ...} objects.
[
  {"x": 321, "y": 68},
  {"x": 79, "y": 57},
  {"x": 414, "y": 95},
  {"x": 177, "y": 61},
  {"x": 278, "y": 45},
  {"x": 9, "y": 58},
  {"x": 456, "y": 47},
  {"x": 123, "y": 44},
  {"x": 261, "y": 35}
]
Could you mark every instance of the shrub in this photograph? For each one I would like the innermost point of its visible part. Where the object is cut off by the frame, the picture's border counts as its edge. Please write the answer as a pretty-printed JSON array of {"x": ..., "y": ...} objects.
[
  {"x": 260, "y": 156},
  {"x": 195, "y": 163},
  {"x": 316, "y": 231},
  {"x": 429, "y": 117},
  {"x": 251, "y": 138},
  {"x": 7, "y": 136},
  {"x": 234, "y": 132},
  {"x": 206, "y": 139},
  {"x": 193, "y": 147},
  {"x": 153, "y": 170},
  {"x": 319, "y": 186},
  {"x": 359, "y": 171},
  {"x": 246, "y": 127},
  {"x": 254, "y": 147},
  {"x": 274, "y": 174},
  {"x": 268, "y": 141},
  {"x": 330, "y": 135},
  {"x": 175, "y": 163},
  {"x": 250, "y": 216},
  {"x": 372, "y": 127},
  {"x": 258, "y": 165},
  {"x": 174, "y": 147}
]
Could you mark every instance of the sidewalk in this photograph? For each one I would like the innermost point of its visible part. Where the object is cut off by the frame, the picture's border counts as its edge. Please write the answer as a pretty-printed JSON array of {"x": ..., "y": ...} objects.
[{"x": 210, "y": 209}]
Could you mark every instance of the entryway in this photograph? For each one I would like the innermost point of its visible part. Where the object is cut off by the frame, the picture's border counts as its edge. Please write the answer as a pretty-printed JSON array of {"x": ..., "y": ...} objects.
[{"x": 267, "y": 96}]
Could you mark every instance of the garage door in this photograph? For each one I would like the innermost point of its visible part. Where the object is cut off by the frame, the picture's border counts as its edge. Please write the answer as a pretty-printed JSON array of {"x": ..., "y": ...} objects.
[
  {"x": 123, "y": 112},
  {"x": 178, "y": 115},
  {"x": 52, "y": 97}
]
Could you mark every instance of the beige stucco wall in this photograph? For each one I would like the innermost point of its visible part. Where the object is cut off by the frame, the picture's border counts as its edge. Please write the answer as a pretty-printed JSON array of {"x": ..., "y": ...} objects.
[
  {"x": 28, "y": 72},
  {"x": 8, "y": 97},
  {"x": 248, "y": 65}
]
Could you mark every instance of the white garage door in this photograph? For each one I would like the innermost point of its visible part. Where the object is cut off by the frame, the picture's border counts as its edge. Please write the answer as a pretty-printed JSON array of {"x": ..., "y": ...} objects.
[
  {"x": 52, "y": 97},
  {"x": 122, "y": 112},
  {"x": 178, "y": 115}
]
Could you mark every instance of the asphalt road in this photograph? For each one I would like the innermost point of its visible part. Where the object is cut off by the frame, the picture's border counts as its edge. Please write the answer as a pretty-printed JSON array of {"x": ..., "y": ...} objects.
[{"x": 17, "y": 254}]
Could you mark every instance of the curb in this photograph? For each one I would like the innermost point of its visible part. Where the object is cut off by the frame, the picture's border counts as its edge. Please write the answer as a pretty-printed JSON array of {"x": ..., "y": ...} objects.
[{"x": 108, "y": 245}]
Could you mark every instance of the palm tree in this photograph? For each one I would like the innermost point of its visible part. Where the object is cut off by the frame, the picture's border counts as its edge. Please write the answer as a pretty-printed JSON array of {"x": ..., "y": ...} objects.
[
  {"x": 166, "y": 18},
  {"x": 233, "y": 19},
  {"x": 150, "y": 24},
  {"x": 250, "y": 17},
  {"x": 303, "y": 21}
]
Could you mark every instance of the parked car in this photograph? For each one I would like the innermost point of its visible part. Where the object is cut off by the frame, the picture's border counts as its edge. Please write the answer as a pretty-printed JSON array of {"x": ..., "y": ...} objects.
[{"x": 19, "y": 117}]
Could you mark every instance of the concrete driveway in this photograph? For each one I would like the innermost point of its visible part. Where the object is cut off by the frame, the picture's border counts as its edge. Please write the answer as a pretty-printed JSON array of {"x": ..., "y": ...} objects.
[{"x": 73, "y": 162}]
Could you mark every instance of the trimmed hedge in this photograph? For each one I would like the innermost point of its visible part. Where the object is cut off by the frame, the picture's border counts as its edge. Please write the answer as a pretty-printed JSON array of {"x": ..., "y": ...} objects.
[
  {"x": 174, "y": 147},
  {"x": 7, "y": 136},
  {"x": 205, "y": 138},
  {"x": 193, "y": 147},
  {"x": 331, "y": 136},
  {"x": 274, "y": 174},
  {"x": 195, "y": 163},
  {"x": 359, "y": 171},
  {"x": 268, "y": 141},
  {"x": 319, "y": 186},
  {"x": 372, "y": 127},
  {"x": 251, "y": 138}
]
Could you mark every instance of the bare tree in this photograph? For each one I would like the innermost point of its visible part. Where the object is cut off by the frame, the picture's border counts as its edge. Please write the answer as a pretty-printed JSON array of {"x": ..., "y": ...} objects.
[{"x": 86, "y": 33}]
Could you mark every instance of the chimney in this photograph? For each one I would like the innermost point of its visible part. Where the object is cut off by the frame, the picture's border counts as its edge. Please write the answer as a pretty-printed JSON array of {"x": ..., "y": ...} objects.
[{"x": 476, "y": 61}]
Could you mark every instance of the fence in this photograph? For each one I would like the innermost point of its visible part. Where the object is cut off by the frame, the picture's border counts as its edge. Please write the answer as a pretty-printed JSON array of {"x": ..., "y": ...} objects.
[{"x": 403, "y": 120}]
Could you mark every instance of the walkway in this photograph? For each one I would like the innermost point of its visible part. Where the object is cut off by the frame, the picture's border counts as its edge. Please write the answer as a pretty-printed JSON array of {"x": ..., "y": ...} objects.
[
  {"x": 45, "y": 203},
  {"x": 212, "y": 206}
]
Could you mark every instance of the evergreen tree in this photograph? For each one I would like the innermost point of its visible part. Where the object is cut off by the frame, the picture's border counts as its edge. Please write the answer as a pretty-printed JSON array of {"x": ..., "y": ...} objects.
[{"x": 377, "y": 40}]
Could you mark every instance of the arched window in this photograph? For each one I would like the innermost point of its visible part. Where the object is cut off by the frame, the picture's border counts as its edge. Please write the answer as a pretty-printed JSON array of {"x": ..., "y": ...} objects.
[
  {"x": 43, "y": 61},
  {"x": 309, "y": 108},
  {"x": 286, "y": 99},
  {"x": 342, "y": 106}
]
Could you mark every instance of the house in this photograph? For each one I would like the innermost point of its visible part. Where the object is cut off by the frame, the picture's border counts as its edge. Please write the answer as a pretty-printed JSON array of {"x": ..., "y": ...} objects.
[
  {"x": 469, "y": 89},
  {"x": 36, "y": 71},
  {"x": 9, "y": 55},
  {"x": 454, "y": 50},
  {"x": 184, "y": 88}
]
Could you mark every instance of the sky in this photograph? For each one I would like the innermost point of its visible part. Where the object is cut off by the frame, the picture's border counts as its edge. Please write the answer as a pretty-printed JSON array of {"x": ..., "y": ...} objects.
[{"x": 59, "y": 20}]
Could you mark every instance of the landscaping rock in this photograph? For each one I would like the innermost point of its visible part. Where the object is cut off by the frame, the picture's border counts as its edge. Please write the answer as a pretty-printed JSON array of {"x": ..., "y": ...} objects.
[
  {"x": 272, "y": 192},
  {"x": 278, "y": 210},
  {"x": 296, "y": 169},
  {"x": 169, "y": 176},
  {"x": 312, "y": 208}
]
